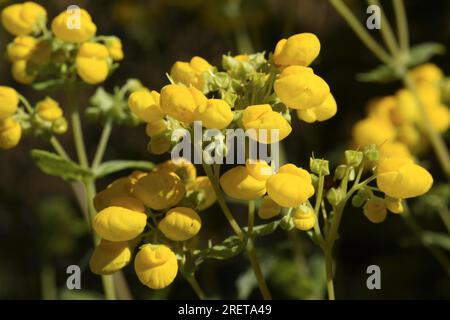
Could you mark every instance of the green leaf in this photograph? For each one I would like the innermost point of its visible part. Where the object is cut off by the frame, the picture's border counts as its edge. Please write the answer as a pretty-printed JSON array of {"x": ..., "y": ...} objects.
[
  {"x": 109, "y": 167},
  {"x": 54, "y": 165},
  {"x": 423, "y": 52},
  {"x": 52, "y": 84},
  {"x": 380, "y": 74}
]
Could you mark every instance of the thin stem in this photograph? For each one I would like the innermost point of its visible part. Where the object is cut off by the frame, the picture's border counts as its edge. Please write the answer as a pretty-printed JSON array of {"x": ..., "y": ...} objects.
[
  {"x": 329, "y": 272},
  {"x": 402, "y": 24},
  {"x": 103, "y": 142},
  {"x": 25, "y": 103},
  {"x": 195, "y": 286},
  {"x": 59, "y": 148},
  {"x": 360, "y": 31},
  {"x": 386, "y": 30},
  {"x": 220, "y": 199},
  {"x": 108, "y": 287},
  {"x": 252, "y": 254},
  {"x": 48, "y": 283},
  {"x": 435, "y": 138}
]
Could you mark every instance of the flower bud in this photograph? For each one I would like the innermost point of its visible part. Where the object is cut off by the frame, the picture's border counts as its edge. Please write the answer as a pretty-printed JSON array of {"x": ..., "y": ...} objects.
[
  {"x": 156, "y": 266},
  {"x": 119, "y": 224},
  {"x": 353, "y": 158},
  {"x": 371, "y": 152},
  {"x": 155, "y": 128},
  {"x": 268, "y": 209},
  {"x": 159, "y": 190},
  {"x": 109, "y": 257},
  {"x": 335, "y": 196},
  {"x": 304, "y": 218},
  {"x": 48, "y": 109},
  {"x": 319, "y": 166},
  {"x": 59, "y": 126},
  {"x": 180, "y": 224},
  {"x": 114, "y": 46},
  {"x": 21, "y": 19},
  {"x": 375, "y": 210}
]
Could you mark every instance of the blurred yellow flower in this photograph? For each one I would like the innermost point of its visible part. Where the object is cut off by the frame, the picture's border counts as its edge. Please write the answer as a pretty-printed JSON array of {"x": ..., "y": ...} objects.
[
  {"x": 239, "y": 184},
  {"x": 21, "y": 48},
  {"x": 9, "y": 101},
  {"x": 372, "y": 131},
  {"x": 214, "y": 114},
  {"x": 64, "y": 28},
  {"x": 109, "y": 257},
  {"x": 19, "y": 72},
  {"x": 375, "y": 210},
  {"x": 145, "y": 105},
  {"x": 268, "y": 209},
  {"x": 10, "y": 133},
  {"x": 49, "y": 109},
  {"x": 22, "y": 19}
]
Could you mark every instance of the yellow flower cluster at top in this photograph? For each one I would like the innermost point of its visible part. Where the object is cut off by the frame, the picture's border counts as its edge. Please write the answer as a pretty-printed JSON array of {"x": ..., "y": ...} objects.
[
  {"x": 251, "y": 93},
  {"x": 159, "y": 209},
  {"x": 71, "y": 46}
]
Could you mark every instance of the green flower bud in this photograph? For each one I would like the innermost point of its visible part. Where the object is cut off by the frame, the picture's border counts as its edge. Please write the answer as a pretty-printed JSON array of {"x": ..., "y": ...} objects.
[
  {"x": 339, "y": 173},
  {"x": 335, "y": 196},
  {"x": 371, "y": 152},
  {"x": 353, "y": 158},
  {"x": 319, "y": 166}
]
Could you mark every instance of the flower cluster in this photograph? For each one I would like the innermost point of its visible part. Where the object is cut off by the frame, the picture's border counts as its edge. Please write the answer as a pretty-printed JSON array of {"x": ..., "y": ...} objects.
[
  {"x": 70, "y": 47},
  {"x": 395, "y": 123},
  {"x": 153, "y": 211}
]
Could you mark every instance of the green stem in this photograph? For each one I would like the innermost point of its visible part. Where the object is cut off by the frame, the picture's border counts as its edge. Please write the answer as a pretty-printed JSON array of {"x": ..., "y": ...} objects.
[
  {"x": 221, "y": 200},
  {"x": 360, "y": 31},
  {"x": 195, "y": 286},
  {"x": 386, "y": 30},
  {"x": 108, "y": 287},
  {"x": 59, "y": 148},
  {"x": 106, "y": 133},
  {"x": 435, "y": 138},
  {"x": 252, "y": 253},
  {"x": 329, "y": 272},
  {"x": 402, "y": 25},
  {"x": 48, "y": 285}
]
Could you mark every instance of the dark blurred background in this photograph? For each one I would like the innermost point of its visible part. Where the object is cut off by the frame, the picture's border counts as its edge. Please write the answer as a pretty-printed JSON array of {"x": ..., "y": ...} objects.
[{"x": 41, "y": 231}]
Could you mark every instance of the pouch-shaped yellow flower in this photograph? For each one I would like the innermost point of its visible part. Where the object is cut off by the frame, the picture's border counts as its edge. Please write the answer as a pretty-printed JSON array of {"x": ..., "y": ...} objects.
[
  {"x": 290, "y": 186},
  {"x": 182, "y": 167},
  {"x": 156, "y": 266},
  {"x": 91, "y": 62},
  {"x": 372, "y": 131},
  {"x": 180, "y": 224},
  {"x": 439, "y": 116},
  {"x": 239, "y": 184},
  {"x": 394, "y": 150},
  {"x": 130, "y": 203},
  {"x": 180, "y": 102},
  {"x": 156, "y": 127},
  {"x": 9, "y": 101},
  {"x": 145, "y": 105},
  {"x": 159, "y": 190},
  {"x": 203, "y": 184},
  {"x": 19, "y": 72},
  {"x": 258, "y": 169},
  {"x": 264, "y": 124},
  {"x": 120, "y": 188},
  {"x": 324, "y": 111},
  {"x": 300, "y": 49},
  {"x": 10, "y": 133},
  {"x": 401, "y": 178},
  {"x": 65, "y": 27},
  {"x": 268, "y": 209},
  {"x": 427, "y": 72},
  {"x": 48, "y": 109},
  {"x": 299, "y": 88},
  {"x": 21, "y": 19},
  {"x": 119, "y": 224},
  {"x": 214, "y": 114},
  {"x": 304, "y": 218},
  {"x": 109, "y": 257},
  {"x": 190, "y": 73},
  {"x": 114, "y": 46},
  {"x": 21, "y": 48},
  {"x": 375, "y": 210},
  {"x": 394, "y": 205}
]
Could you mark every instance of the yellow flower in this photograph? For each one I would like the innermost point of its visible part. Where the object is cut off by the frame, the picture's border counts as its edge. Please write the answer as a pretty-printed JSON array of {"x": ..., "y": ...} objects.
[
  {"x": 242, "y": 57},
  {"x": 120, "y": 188},
  {"x": 119, "y": 224},
  {"x": 427, "y": 72},
  {"x": 203, "y": 184},
  {"x": 299, "y": 88},
  {"x": 375, "y": 210},
  {"x": 109, "y": 257},
  {"x": 214, "y": 114},
  {"x": 20, "y": 73},
  {"x": 382, "y": 108},
  {"x": 92, "y": 63},
  {"x": 48, "y": 109},
  {"x": 180, "y": 102},
  {"x": 21, "y": 48},
  {"x": 160, "y": 144},
  {"x": 324, "y": 111},
  {"x": 129, "y": 203},
  {"x": 180, "y": 224},
  {"x": 406, "y": 109},
  {"x": 115, "y": 50},
  {"x": 239, "y": 184},
  {"x": 9, "y": 101},
  {"x": 372, "y": 131},
  {"x": 263, "y": 120},
  {"x": 268, "y": 209},
  {"x": 10, "y": 133},
  {"x": 304, "y": 218},
  {"x": 439, "y": 116},
  {"x": 258, "y": 169},
  {"x": 21, "y": 19},
  {"x": 145, "y": 105},
  {"x": 401, "y": 178},
  {"x": 156, "y": 127},
  {"x": 190, "y": 73},
  {"x": 394, "y": 150},
  {"x": 394, "y": 205},
  {"x": 156, "y": 266},
  {"x": 65, "y": 27},
  {"x": 159, "y": 190},
  {"x": 183, "y": 168},
  {"x": 300, "y": 49},
  {"x": 290, "y": 186}
]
